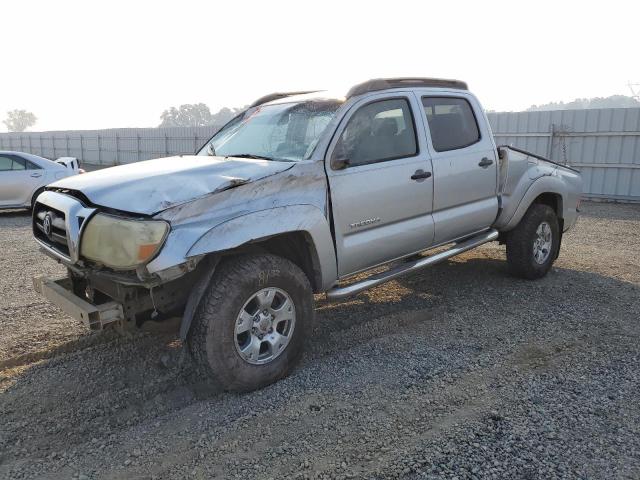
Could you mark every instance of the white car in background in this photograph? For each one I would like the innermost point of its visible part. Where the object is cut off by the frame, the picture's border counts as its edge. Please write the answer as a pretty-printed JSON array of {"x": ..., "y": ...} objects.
[
  {"x": 24, "y": 175},
  {"x": 71, "y": 163}
]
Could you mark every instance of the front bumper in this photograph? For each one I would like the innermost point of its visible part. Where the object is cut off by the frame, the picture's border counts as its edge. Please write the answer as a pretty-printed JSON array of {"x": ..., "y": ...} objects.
[{"x": 60, "y": 293}]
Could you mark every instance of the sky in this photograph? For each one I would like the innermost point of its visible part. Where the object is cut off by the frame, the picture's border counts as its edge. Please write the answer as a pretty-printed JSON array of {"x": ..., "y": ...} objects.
[{"x": 107, "y": 64}]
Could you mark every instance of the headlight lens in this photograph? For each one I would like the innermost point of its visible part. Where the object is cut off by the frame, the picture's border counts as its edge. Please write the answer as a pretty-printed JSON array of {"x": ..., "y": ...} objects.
[{"x": 120, "y": 243}]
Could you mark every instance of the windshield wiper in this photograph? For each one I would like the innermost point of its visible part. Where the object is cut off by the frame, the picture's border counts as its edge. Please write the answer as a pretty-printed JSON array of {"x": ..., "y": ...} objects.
[{"x": 250, "y": 155}]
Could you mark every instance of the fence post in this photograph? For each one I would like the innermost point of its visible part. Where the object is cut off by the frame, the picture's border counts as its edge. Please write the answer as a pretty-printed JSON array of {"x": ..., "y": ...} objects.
[
  {"x": 30, "y": 147},
  {"x": 137, "y": 146},
  {"x": 67, "y": 145},
  {"x": 552, "y": 132},
  {"x": 41, "y": 147},
  {"x": 81, "y": 150},
  {"x": 117, "y": 159},
  {"x": 99, "y": 150}
]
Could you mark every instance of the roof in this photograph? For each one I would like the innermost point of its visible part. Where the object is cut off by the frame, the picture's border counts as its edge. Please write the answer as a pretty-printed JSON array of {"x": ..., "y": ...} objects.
[
  {"x": 387, "y": 83},
  {"x": 373, "y": 85},
  {"x": 28, "y": 156}
]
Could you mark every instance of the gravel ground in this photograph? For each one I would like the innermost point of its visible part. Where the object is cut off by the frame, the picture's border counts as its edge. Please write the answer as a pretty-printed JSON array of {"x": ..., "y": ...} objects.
[{"x": 458, "y": 372}]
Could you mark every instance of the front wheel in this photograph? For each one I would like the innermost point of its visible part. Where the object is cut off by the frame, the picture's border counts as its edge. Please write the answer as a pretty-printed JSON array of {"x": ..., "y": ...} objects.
[
  {"x": 249, "y": 328},
  {"x": 533, "y": 245}
]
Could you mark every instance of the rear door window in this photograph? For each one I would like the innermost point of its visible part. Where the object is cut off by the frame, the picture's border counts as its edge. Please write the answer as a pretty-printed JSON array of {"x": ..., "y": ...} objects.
[
  {"x": 32, "y": 166},
  {"x": 19, "y": 163},
  {"x": 451, "y": 122}
]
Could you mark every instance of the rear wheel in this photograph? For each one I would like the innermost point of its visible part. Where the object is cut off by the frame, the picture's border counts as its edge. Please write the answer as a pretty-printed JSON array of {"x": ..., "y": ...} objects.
[
  {"x": 249, "y": 328},
  {"x": 533, "y": 245}
]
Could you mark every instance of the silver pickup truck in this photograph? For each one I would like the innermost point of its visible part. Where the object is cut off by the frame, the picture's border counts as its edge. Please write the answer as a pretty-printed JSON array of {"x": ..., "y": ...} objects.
[{"x": 293, "y": 197}]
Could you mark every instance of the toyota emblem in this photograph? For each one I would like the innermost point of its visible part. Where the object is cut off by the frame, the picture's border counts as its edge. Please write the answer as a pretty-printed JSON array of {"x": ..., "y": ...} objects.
[{"x": 46, "y": 225}]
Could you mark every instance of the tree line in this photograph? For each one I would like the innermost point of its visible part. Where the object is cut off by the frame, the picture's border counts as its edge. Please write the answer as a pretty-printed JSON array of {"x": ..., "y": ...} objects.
[
  {"x": 614, "y": 101},
  {"x": 188, "y": 115},
  {"x": 196, "y": 115}
]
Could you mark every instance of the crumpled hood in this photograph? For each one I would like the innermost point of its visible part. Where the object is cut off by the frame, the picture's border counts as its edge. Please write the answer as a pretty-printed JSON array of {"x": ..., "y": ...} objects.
[{"x": 154, "y": 185}]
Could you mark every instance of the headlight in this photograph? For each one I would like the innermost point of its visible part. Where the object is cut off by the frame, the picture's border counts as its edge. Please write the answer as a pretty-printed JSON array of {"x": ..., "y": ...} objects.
[{"x": 120, "y": 243}]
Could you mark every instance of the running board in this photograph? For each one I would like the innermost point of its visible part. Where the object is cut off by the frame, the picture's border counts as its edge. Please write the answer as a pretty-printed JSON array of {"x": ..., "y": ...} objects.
[{"x": 338, "y": 293}]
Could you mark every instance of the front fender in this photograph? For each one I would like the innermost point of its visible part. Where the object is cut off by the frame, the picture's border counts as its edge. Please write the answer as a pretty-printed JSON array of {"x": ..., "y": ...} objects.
[{"x": 268, "y": 223}]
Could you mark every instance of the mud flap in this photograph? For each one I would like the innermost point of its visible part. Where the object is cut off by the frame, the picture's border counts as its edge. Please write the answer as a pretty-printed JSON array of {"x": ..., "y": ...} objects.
[{"x": 195, "y": 296}]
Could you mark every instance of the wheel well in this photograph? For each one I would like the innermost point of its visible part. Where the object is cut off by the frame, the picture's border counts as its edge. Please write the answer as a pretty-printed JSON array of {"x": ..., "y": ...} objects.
[
  {"x": 553, "y": 200},
  {"x": 294, "y": 246}
]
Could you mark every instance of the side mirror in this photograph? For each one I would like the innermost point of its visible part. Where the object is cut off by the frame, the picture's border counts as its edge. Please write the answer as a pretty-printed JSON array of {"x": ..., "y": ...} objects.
[{"x": 340, "y": 163}]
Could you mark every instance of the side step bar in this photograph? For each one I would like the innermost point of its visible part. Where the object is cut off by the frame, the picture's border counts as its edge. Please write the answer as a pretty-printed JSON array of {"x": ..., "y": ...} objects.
[{"x": 338, "y": 293}]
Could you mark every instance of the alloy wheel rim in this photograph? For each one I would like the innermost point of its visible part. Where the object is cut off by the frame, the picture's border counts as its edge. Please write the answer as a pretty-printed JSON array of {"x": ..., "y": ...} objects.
[
  {"x": 264, "y": 326},
  {"x": 542, "y": 243}
]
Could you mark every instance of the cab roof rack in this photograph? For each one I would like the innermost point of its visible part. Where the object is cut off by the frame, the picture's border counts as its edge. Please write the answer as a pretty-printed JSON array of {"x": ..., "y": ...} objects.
[
  {"x": 386, "y": 83},
  {"x": 276, "y": 96}
]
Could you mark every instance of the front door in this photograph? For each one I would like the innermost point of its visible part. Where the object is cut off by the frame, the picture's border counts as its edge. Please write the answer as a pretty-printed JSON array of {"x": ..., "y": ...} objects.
[{"x": 381, "y": 183}]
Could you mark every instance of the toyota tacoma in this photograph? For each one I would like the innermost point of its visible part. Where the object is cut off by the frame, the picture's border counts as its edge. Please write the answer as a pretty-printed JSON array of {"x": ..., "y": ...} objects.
[{"x": 293, "y": 197}]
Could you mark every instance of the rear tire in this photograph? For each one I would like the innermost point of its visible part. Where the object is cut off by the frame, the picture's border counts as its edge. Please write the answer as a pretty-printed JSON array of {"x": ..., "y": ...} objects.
[
  {"x": 533, "y": 245},
  {"x": 250, "y": 327}
]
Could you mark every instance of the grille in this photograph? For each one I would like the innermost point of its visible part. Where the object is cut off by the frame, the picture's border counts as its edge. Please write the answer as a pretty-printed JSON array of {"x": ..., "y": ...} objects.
[{"x": 50, "y": 228}]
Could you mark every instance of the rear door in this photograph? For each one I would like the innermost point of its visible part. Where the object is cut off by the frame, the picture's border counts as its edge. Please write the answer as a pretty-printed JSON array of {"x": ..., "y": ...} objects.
[
  {"x": 464, "y": 165},
  {"x": 381, "y": 182}
]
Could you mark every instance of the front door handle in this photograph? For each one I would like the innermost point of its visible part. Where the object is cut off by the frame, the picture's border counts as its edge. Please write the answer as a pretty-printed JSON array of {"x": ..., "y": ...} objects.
[
  {"x": 35, "y": 175},
  {"x": 420, "y": 175},
  {"x": 485, "y": 162}
]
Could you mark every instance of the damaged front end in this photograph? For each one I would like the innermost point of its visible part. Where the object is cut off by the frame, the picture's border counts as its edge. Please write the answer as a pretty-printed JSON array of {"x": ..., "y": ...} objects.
[
  {"x": 107, "y": 286},
  {"x": 126, "y": 267}
]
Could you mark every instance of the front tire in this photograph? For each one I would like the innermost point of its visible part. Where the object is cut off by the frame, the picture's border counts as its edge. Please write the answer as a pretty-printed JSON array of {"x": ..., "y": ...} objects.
[
  {"x": 250, "y": 326},
  {"x": 533, "y": 245}
]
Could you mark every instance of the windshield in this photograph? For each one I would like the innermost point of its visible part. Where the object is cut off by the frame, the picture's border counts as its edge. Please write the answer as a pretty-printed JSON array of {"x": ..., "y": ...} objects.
[{"x": 286, "y": 131}]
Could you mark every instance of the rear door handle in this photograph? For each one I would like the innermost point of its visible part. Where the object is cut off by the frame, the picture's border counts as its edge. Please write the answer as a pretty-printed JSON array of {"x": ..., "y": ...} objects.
[
  {"x": 420, "y": 175},
  {"x": 485, "y": 162}
]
